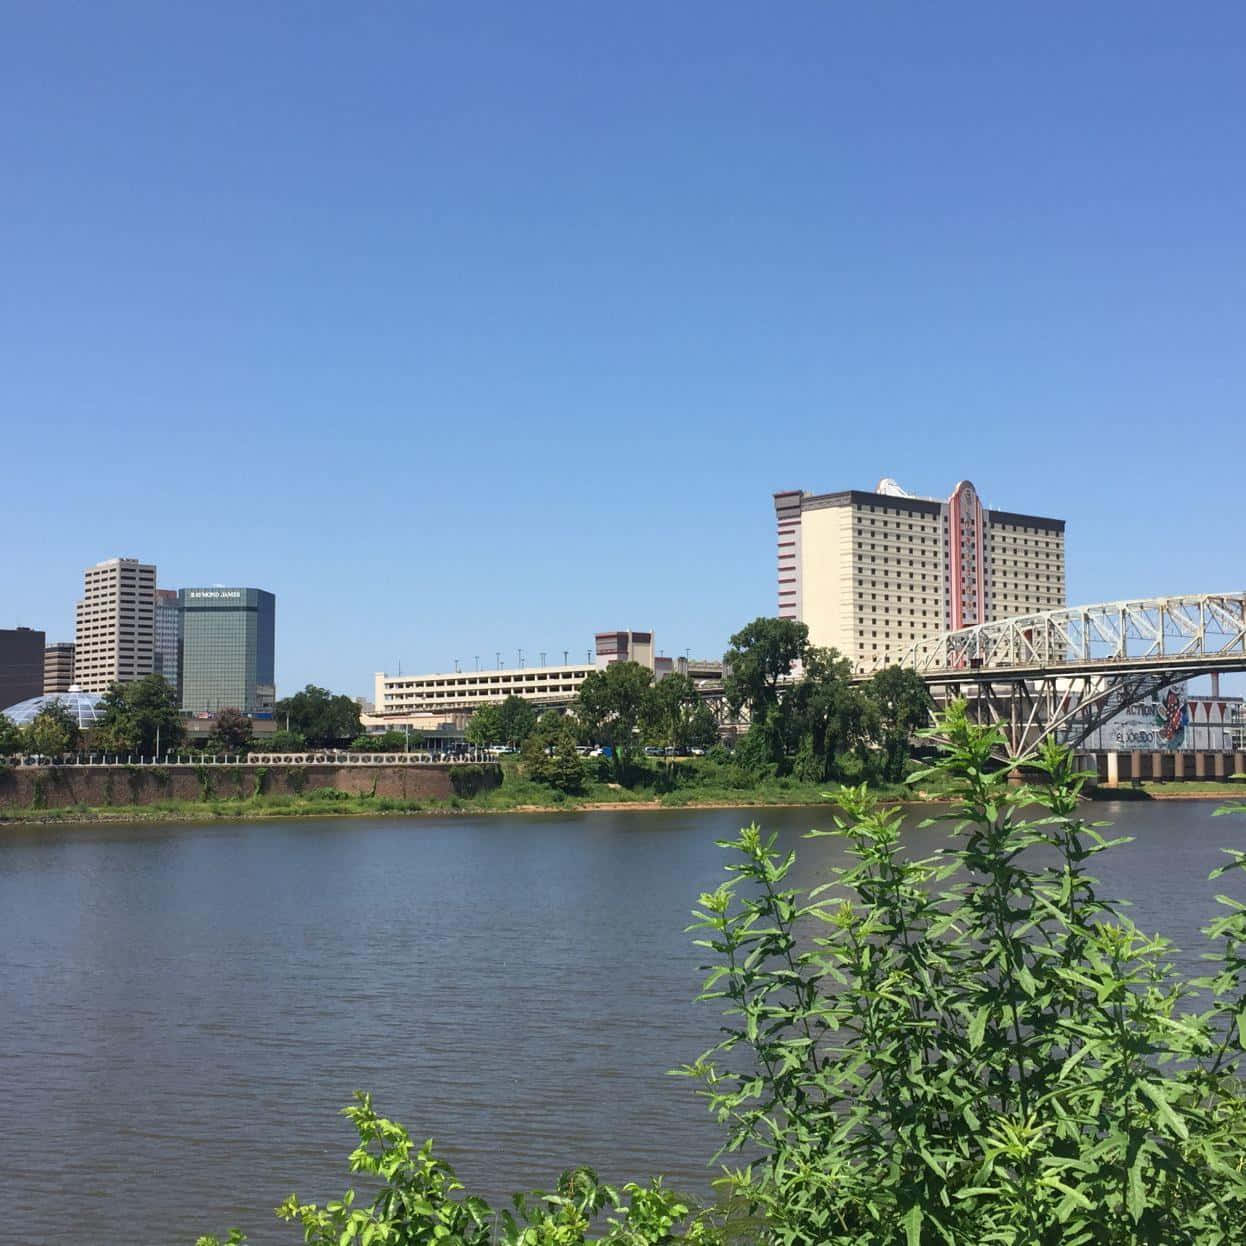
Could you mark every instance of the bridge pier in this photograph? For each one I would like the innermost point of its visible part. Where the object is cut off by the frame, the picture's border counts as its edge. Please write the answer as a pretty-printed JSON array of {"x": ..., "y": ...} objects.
[
  {"x": 1218, "y": 759},
  {"x": 1157, "y": 767},
  {"x": 1239, "y": 763},
  {"x": 1200, "y": 765},
  {"x": 1135, "y": 766},
  {"x": 1178, "y": 765},
  {"x": 1114, "y": 771}
]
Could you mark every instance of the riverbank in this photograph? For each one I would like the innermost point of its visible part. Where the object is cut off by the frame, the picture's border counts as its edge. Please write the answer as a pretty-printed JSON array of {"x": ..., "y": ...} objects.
[
  {"x": 518, "y": 795},
  {"x": 515, "y": 795}
]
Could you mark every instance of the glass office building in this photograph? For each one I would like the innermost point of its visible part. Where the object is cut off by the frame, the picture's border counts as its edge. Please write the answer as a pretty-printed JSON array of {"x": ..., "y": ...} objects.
[
  {"x": 168, "y": 635},
  {"x": 227, "y": 649}
]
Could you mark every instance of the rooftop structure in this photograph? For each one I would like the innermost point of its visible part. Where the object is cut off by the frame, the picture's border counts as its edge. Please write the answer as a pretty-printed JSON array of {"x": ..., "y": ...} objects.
[{"x": 83, "y": 705}]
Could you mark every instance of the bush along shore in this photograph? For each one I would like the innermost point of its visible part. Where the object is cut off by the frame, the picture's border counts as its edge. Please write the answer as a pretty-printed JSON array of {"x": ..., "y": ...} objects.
[{"x": 971, "y": 1047}]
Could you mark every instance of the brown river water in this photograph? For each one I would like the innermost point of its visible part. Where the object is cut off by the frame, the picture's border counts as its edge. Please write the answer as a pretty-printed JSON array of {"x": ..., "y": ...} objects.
[{"x": 184, "y": 1009}]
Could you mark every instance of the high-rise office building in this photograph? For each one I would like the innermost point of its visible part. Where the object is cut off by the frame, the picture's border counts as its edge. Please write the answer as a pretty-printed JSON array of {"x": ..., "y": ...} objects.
[
  {"x": 21, "y": 664},
  {"x": 227, "y": 649},
  {"x": 115, "y": 624},
  {"x": 168, "y": 636},
  {"x": 58, "y": 667},
  {"x": 872, "y": 573}
]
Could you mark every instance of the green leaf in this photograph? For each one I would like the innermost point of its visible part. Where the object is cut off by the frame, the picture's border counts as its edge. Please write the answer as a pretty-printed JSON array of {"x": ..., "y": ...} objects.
[
  {"x": 1164, "y": 1109},
  {"x": 977, "y": 1027},
  {"x": 913, "y": 1226}
]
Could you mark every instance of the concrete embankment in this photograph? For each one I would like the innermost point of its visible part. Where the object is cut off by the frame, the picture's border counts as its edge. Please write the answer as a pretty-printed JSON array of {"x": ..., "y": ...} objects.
[{"x": 27, "y": 787}]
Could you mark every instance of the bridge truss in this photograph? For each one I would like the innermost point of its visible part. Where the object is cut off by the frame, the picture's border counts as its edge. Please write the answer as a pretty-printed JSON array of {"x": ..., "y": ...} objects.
[{"x": 1065, "y": 673}]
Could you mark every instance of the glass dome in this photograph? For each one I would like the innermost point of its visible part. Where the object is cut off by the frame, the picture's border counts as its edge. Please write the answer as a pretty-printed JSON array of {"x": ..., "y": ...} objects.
[{"x": 85, "y": 705}]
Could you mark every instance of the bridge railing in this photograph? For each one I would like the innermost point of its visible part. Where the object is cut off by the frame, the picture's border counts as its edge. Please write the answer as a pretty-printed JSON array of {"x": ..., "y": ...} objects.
[
  {"x": 1153, "y": 630},
  {"x": 309, "y": 757}
]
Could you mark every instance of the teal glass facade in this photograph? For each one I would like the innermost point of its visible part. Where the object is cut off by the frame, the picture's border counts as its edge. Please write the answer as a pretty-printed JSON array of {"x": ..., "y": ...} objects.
[{"x": 227, "y": 649}]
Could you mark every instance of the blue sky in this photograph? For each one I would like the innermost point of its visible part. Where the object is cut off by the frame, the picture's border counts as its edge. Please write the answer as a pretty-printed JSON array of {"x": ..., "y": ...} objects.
[{"x": 466, "y": 328}]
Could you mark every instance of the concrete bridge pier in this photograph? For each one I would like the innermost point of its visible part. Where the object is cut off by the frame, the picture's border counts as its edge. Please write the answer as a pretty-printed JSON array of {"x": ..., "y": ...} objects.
[
  {"x": 1239, "y": 763},
  {"x": 1200, "y": 765},
  {"x": 1178, "y": 768},
  {"x": 1157, "y": 767},
  {"x": 1114, "y": 770}
]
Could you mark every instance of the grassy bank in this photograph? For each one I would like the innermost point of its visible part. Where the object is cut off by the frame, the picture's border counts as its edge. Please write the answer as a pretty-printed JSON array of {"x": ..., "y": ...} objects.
[{"x": 651, "y": 789}]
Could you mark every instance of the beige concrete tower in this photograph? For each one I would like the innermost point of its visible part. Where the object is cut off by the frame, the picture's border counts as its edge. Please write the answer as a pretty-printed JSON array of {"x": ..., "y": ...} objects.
[
  {"x": 115, "y": 624},
  {"x": 872, "y": 573}
]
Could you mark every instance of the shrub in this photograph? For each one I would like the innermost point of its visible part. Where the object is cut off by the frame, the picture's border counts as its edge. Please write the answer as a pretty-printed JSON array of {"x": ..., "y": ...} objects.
[
  {"x": 469, "y": 779},
  {"x": 973, "y": 1047}
]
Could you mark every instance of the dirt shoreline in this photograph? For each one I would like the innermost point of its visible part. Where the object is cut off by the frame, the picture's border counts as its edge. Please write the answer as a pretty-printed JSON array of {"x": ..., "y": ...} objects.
[{"x": 95, "y": 817}]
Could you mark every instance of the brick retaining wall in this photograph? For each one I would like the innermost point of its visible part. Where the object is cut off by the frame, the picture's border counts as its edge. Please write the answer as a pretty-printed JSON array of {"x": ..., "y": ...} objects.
[{"x": 53, "y": 787}]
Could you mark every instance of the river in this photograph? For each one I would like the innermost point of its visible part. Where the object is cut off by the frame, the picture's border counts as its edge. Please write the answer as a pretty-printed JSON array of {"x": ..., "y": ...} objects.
[{"x": 184, "y": 1009}]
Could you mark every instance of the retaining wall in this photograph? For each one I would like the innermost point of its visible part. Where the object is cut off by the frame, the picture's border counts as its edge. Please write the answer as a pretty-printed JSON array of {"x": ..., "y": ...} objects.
[{"x": 53, "y": 787}]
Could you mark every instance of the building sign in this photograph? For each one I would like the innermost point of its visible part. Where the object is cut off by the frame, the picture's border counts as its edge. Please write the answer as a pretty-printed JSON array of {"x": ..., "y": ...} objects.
[
  {"x": 234, "y": 594},
  {"x": 1152, "y": 725}
]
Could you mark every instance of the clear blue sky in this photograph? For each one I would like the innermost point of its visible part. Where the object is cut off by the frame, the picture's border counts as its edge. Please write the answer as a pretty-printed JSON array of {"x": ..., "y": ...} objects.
[{"x": 485, "y": 326}]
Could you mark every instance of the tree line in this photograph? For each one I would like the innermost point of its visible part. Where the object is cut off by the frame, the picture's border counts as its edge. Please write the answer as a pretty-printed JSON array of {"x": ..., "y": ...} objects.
[
  {"x": 806, "y": 717},
  {"x": 142, "y": 717}
]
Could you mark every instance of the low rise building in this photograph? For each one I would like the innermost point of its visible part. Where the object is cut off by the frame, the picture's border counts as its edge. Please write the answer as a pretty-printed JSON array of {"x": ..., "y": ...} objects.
[{"x": 449, "y": 696}]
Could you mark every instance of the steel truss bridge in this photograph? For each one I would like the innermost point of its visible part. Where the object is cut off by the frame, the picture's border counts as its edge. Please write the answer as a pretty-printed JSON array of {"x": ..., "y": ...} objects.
[{"x": 1065, "y": 673}]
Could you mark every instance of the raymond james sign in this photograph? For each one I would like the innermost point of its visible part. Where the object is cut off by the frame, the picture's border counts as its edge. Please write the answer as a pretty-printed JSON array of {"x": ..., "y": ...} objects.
[{"x": 234, "y": 593}]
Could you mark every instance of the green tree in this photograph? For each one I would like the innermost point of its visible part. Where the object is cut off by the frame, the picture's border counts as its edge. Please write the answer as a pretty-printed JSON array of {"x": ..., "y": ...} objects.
[
  {"x": 761, "y": 657},
  {"x": 484, "y": 728},
  {"x": 612, "y": 706},
  {"x": 676, "y": 716},
  {"x": 232, "y": 731},
  {"x": 516, "y": 719},
  {"x": 827, "y": 716},
  {"x": 904, "y": 707},
  {"x": 281, "y": 742},
  {"x": 11, "y": 738},
  {"x": 387, "y": 742},
  {"x": 132, "y": 716},
  {"x": 549, "y": 754},
  {"x": 52, "y": 731},
  {"x": 321, "y": 718}
]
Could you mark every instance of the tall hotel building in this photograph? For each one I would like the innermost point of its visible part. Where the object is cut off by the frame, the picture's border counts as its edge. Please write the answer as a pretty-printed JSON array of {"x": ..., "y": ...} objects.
[
  {"x": 115, "y": 624},
  {"x": 872, "y": 573}
]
